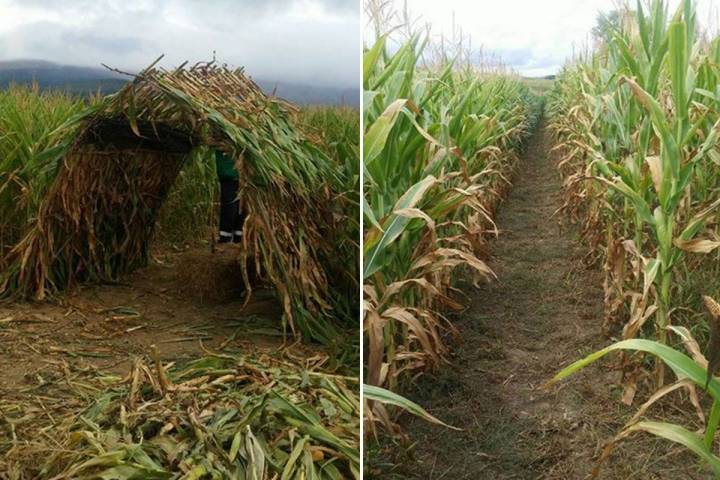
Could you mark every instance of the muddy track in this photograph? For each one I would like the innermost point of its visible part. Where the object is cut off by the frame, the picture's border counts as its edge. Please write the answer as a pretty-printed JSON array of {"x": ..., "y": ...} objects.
[{"x": 543, "y": 313}]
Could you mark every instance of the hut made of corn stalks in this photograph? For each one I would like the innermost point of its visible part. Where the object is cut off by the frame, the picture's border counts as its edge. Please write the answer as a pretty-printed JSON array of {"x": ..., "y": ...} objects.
[{"x": 122, "y": 155}]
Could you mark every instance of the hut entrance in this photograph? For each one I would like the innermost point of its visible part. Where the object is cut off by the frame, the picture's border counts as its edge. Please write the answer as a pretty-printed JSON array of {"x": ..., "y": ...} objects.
[{"x": 140, "y": 165}]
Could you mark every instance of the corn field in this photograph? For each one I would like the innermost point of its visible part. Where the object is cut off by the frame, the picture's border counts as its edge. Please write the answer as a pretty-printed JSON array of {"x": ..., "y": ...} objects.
[
  {"x": 636, "y": 122},
  {"x": 440, "y": 147},
  {"x": 515, "y": 230},
  {"x": 264, "y": 415}
]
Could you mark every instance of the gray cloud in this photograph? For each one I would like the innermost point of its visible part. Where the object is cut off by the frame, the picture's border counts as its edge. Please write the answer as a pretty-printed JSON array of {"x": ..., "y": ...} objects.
[
  {"x": 239, "y": 5},
  {"x": 527, "y": 59},
  {"x": 116, "y": 45},
  {"x": 290, "y": 40},
  {"x": 341, "y": 5}
]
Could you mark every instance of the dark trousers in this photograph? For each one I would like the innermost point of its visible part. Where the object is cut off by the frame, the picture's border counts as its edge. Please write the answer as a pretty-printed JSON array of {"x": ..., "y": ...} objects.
[{"x": 231, "y": 219}]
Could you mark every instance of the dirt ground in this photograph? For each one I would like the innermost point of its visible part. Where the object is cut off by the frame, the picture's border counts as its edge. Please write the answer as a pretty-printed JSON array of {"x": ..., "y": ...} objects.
[
  {"x": 181, "y": 303},
  {"x": 544, "y": 313}
]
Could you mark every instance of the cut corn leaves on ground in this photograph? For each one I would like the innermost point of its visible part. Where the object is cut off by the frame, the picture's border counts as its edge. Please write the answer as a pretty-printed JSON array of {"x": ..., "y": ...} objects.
[{"x": 226, "y": 415}]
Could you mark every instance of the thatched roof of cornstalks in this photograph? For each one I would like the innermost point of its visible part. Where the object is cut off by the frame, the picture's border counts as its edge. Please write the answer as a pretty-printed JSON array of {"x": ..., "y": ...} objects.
[{"x": 122, "y": 155}]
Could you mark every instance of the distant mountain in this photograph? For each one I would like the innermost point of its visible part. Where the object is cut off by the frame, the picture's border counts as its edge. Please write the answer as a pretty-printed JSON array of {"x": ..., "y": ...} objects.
[
  {"x": 89, "y": 80},
  {"x": 49, "y": 75},
  {"x": 310, "y": 94},
  {"x": 24, "y": 64}
]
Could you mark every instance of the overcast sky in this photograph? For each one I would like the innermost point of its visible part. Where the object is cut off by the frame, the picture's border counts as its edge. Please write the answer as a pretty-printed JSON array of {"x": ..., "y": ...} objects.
[
  {"x": 309, "y": 41},
  {"x": 534, "y": 37}
]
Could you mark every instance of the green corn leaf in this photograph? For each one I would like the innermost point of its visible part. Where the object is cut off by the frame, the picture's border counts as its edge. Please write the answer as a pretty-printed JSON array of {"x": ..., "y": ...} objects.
[
  {"x": 377, "y": 134},
  {"x": 671, "y": 152},
  {"x": 641, "y": 206},
  {"x": 371, "y": 58},
  {"x": 387, "y": 397},
  {"x": 712, "y": 424},
  {"x": 678, "y": 65},
  {"x": 394, "y": 225},
  {"x": 681, "y": 364},
  {"x": 675, "y": 433}
]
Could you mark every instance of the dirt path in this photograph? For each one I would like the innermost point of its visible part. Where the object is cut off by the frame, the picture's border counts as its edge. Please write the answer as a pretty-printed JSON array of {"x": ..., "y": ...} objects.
[
  {"x": 543, "y": 313},
  {"x": 182, "y": 303}
]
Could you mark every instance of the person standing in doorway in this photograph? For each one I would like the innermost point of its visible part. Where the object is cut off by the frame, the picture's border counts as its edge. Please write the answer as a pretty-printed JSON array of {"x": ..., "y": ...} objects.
[{"x": 231, "y": 219}]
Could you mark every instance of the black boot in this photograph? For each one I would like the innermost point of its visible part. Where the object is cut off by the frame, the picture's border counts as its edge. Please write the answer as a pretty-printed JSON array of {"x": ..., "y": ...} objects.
[{"x": 229, "y": 206}]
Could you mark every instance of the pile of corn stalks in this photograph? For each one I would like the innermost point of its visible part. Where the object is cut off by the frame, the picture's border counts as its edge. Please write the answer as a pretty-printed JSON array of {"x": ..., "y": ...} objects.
[
  {"x": 226, "y": 415},
  {"x": 440, "y": 146}
]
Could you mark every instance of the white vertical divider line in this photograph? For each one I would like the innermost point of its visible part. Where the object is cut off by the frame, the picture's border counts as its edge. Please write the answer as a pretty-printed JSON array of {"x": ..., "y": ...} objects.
[{"x": 361, "y": 24}]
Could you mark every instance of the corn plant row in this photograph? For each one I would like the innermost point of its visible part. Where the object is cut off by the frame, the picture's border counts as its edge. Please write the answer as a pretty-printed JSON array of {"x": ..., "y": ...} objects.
[
  {"x": 28, "y": 119},
  {"x": 440, "y": 145},
  {"x": 636, "y": 121}
]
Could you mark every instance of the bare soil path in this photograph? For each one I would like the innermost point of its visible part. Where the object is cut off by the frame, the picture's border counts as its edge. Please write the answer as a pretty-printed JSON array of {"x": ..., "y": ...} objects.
[
  {"x": 544, "y": 312},
  {"x": 182, "y": 303}
]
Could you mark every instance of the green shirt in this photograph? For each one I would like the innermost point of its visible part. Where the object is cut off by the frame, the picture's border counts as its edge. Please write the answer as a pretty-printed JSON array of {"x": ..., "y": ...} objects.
[{"x": 225, "y": 166}]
